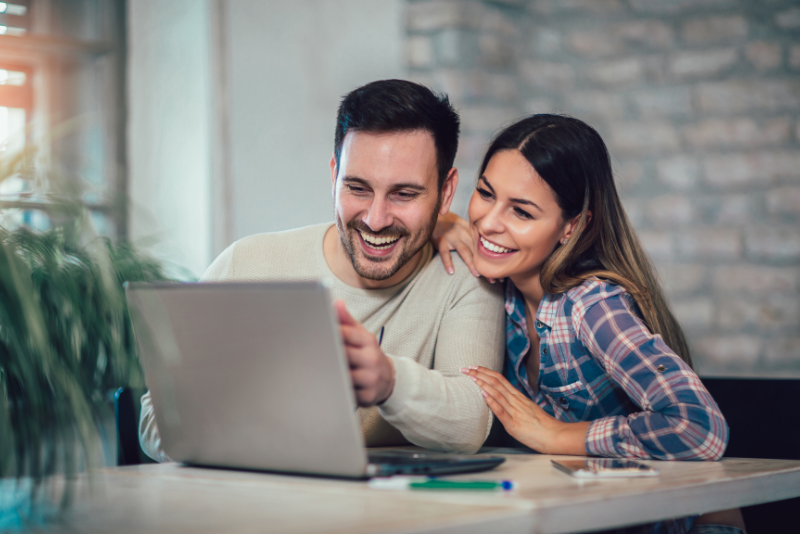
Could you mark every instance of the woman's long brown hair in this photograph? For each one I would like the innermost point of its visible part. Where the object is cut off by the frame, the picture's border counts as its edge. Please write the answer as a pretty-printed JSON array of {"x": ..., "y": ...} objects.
[{"x": 572, "y": 159}]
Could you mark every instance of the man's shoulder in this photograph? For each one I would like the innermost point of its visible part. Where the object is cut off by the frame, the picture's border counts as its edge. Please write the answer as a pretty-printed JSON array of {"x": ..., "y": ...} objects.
[
  {"x": 462, "y": 282},
  {"x": 286, "y": 255},
  {"x": 296, "y": 237}
]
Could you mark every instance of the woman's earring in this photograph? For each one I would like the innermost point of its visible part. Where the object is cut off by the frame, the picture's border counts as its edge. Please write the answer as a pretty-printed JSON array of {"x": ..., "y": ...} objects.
[{"x": 564, "y": 241}]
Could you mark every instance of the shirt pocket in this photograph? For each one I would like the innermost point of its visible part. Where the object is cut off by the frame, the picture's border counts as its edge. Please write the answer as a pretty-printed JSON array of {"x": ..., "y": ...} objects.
[{"x": 570, "y": 402}]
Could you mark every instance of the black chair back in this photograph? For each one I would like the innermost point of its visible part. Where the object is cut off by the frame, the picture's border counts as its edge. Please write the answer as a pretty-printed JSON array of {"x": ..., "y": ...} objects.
[
  {"x": 126, "y": 414},
  {"x": 763, "y": 418}
]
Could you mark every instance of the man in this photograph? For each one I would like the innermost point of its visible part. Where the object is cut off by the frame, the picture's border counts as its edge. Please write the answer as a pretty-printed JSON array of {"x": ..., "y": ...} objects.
[{"x": 392, "y": 175}]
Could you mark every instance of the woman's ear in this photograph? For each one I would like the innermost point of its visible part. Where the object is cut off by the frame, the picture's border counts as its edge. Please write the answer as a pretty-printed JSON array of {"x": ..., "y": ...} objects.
[{"x": 572, "y": 225}]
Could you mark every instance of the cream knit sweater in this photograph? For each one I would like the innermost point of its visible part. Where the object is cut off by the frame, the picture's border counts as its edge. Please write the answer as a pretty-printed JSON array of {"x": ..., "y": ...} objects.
[{"x": 434, "y": 324}]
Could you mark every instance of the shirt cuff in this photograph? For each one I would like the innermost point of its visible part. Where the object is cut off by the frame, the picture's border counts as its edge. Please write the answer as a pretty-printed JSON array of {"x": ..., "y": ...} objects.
[
  {"x": 404, "y": 369},
  {"x": 603, "y": 436}
]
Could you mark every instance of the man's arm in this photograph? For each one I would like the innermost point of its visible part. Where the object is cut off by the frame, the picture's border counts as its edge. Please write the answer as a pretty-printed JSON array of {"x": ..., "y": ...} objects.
[
  {"x": 149, "y": 438},
  {"x": 437, "y": 408}
]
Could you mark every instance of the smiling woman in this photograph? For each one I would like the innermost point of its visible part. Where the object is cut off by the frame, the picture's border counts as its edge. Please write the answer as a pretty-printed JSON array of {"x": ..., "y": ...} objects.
[{"x": 595, "y": 362}]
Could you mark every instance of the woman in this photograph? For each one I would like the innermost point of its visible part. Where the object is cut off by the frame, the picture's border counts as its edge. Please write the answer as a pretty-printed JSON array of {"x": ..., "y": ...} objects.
[{"x": 595, "y": 362}]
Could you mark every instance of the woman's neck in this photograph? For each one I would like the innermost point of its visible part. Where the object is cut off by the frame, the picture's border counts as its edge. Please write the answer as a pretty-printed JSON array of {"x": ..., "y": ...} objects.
[{"x": 532, "y": 291}]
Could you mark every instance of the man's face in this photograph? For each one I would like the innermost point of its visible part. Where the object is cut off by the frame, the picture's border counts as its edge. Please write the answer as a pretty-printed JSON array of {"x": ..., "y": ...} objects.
[{"x": 386, "y": 198}]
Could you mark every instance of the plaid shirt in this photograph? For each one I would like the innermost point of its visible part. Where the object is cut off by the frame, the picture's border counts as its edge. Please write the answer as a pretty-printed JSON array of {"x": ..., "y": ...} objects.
[{"x": 599, "y": 363}]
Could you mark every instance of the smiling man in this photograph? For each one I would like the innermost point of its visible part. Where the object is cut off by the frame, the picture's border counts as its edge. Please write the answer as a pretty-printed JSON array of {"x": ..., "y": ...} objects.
[{"x": 392, "y": 174}]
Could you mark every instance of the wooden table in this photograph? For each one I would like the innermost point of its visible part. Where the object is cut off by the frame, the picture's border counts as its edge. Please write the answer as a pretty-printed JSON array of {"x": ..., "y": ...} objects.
[{"x": 171, "y": 498}]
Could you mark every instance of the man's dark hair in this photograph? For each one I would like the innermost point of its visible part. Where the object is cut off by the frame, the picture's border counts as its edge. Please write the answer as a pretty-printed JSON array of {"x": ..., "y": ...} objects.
[{"x": 389, "y": 106}]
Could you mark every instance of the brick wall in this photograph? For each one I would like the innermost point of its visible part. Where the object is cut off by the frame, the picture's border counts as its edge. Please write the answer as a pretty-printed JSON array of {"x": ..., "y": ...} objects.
[{"x": 698, "y": 101}]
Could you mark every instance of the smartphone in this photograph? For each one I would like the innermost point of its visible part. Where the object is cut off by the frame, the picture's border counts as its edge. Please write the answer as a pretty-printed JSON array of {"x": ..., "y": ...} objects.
[{"x": 604, "y": 468}]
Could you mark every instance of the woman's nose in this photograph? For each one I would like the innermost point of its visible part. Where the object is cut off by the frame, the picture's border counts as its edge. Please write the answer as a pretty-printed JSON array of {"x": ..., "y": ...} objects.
[{"x": 492, "y": 222}]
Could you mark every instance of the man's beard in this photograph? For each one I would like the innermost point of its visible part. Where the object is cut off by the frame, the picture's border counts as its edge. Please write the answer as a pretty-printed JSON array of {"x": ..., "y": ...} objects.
[{"x": 382, "y": 268}]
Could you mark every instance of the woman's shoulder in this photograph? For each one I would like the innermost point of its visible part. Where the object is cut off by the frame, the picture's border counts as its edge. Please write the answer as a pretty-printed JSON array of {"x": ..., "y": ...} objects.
[
  {"x": 579, "y": 300},
  {"x": 593, "y": 290}
]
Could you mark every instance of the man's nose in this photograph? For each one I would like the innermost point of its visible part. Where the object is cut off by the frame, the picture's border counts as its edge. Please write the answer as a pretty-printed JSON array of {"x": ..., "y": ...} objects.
[{"x": 378, "y": 215}]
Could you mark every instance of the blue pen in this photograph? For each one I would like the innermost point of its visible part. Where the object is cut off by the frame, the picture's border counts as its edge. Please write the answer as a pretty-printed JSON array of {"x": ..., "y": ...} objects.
[{"x": 380, "y": 336}]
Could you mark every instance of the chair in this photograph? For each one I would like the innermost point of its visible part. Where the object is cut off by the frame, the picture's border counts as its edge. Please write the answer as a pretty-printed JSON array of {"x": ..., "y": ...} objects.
[
  {"x": 762, "y": 416},
  {"x": 126, "y": 415}
]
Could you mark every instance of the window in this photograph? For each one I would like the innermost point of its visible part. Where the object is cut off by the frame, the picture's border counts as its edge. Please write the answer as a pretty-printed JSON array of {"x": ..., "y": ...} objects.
[{"x": 62, "y": 103}]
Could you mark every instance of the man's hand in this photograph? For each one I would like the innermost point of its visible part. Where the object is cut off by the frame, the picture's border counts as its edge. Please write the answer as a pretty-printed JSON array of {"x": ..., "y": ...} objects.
[{"x": 371, "y": 371}]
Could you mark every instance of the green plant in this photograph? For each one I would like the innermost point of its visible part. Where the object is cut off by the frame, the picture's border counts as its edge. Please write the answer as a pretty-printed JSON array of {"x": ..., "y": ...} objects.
[{"x": 65, "y": 341}]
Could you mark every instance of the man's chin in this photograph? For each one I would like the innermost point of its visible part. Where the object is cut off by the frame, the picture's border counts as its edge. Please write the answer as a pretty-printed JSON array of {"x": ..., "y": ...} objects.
[{"x": 376, "y": 270}]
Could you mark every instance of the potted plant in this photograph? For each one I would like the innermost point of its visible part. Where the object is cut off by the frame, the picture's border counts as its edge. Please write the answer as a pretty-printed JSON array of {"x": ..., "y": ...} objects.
[{"x": 65, "y": 342}]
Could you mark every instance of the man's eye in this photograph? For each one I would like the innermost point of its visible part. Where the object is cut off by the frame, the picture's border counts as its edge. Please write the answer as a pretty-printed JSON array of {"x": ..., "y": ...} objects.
[
  {"x": 405, "y": 195},
  {"x": 484, "y": 193},
  {"x": 356, "y": 189}
]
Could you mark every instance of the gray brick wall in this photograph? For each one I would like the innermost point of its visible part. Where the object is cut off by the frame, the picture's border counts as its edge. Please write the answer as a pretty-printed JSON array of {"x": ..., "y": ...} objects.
[{"x": 698, "y": 101}]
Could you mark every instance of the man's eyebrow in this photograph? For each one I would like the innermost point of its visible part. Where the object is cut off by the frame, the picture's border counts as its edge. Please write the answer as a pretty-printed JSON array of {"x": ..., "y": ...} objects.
[
  {"x": 403, "y": 185},
  {"x": 514, "y": 200},
  {"x": 355, "y": 179},
  {"x": 407, "y": 185}
]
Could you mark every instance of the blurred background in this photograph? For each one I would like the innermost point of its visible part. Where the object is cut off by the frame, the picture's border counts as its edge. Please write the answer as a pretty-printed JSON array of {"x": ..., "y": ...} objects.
[{"x": 192, "y": 123}]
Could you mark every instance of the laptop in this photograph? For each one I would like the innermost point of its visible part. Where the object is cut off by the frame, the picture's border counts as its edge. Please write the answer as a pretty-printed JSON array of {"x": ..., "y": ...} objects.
[{"x": 254, "y": 376}]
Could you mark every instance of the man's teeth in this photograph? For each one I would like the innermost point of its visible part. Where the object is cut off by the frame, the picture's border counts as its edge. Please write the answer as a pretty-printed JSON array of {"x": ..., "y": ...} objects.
[
  {"x": 495, "y": 248},
  {"x": 379, "y": 241}
]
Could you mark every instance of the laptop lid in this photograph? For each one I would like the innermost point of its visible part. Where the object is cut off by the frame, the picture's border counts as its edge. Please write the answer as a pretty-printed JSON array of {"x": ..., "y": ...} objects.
[{"x": 248, "y": 375}]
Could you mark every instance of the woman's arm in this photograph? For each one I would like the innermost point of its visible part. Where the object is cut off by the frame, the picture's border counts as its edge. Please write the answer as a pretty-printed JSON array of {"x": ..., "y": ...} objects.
[{"x": 679, "y": 419}]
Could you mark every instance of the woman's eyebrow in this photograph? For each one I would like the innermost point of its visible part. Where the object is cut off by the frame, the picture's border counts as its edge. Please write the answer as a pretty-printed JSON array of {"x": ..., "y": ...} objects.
[
  {"x": 514, "y": 200},
  {"x": 487, "y": 183},
  {"x": 526, "y": 202}
]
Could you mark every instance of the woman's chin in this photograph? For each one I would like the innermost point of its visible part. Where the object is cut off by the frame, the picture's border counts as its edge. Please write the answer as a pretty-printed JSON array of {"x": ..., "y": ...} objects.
[{"x": 490, "y": 271}]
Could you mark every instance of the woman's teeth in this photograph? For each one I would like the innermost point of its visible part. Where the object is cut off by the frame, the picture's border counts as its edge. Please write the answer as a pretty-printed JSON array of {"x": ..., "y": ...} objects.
[
  {"x": 378, "y": 242},
  {"x": 495, "y": 248}
]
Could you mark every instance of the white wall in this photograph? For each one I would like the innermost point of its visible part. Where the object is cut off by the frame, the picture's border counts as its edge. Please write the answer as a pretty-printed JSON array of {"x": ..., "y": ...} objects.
[
  {"x": 169, "y": 129},
  {"x": 284, "y": 65},
  {"x": 290, "y": 63}
]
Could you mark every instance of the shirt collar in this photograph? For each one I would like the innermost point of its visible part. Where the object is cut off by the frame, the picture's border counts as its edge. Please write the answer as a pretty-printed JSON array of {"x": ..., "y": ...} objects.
[
  {"x": 548, "y": 310},
  {"x": 515, "y": 307}
]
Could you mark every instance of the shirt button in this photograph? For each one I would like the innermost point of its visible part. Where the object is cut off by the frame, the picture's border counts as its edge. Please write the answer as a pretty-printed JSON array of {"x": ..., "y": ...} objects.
[
  {"x": 544, "y": 350},
  {"x": 564, "y": 402},
  {"x": 661, "y": 368},
  {"x": 539, "y": 324}
]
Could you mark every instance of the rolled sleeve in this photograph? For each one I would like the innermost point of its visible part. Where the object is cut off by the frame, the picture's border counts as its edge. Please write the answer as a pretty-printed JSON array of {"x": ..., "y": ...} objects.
[{"x": 679, "y": 419}]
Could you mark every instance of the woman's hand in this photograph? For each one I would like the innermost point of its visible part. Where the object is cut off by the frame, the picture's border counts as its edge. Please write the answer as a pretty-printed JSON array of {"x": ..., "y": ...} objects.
[
  {"x": 452, "y": 233},
  {"x": 524, "y": 419}
]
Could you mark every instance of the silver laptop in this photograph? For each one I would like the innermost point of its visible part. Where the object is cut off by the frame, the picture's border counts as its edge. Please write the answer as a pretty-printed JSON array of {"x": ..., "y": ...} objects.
[{"x": 254, "y": 376}]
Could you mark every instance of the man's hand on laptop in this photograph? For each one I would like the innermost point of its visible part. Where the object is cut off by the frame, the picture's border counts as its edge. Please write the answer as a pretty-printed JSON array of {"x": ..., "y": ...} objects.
[{"x": 371, "y": 371}]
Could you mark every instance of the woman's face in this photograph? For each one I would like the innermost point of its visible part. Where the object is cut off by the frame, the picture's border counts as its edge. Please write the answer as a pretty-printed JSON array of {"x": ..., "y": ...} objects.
[{"x": 514, "y": 218}]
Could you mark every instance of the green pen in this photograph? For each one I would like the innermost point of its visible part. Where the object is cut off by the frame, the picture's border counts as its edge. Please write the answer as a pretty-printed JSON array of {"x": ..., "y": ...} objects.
[{"x": 429, "y": 483}]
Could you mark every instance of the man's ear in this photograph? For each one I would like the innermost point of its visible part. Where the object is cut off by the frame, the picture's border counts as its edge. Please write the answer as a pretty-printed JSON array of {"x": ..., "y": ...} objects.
[
  {"x": 448, "y": 190},
  {"x": 334, "y": 172}
]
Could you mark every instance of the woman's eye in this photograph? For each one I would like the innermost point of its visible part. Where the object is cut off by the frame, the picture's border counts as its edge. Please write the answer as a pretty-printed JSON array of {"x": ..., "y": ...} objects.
[
  {"x": 522, "y": 213},
  {"x": 484, "y": 193}
]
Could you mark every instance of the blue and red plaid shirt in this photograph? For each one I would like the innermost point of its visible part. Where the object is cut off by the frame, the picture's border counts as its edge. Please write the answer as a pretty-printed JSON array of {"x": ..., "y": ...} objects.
[{"x": 600, "y": 363}]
